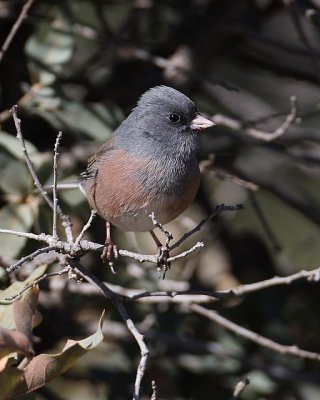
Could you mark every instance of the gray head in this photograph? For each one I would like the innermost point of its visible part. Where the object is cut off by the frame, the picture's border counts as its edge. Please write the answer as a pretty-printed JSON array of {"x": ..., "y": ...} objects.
[{"x": 164, "y": 123}]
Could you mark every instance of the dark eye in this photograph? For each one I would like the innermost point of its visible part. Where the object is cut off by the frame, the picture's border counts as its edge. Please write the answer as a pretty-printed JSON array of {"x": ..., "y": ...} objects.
[{"x": 175, "y": 118}]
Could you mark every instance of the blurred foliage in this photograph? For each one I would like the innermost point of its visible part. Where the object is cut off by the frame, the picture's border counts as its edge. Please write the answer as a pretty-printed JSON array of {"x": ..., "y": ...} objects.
[
  {"x": 79, "y": 67},
  {"x": 17, "y": 321}
]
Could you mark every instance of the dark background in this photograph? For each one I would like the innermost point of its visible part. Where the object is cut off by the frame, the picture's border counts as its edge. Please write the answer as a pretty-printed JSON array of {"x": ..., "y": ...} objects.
[{"x": 79, "y": 67}]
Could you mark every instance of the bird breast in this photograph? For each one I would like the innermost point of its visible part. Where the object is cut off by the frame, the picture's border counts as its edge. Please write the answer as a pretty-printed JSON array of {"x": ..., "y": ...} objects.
[{"x": 165, "y": 187}]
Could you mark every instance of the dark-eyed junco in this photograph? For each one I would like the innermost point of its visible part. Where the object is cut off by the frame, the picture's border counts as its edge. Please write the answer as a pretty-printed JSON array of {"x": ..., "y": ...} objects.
[{"x": 148, "y": 165}]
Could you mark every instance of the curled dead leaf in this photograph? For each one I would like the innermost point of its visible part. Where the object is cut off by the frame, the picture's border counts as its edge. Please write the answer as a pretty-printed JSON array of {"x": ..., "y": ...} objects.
[{"x": 14, "y": 341}]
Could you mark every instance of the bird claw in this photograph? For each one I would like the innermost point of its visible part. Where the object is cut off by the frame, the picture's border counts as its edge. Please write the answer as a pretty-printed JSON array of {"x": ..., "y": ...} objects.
[
  {"x": 162, "y": 262},
  {"x": 110, "y": 254}
]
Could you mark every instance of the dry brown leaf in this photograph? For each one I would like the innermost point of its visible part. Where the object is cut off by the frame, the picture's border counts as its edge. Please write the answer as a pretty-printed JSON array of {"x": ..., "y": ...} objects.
[{"x": 14, "y": 341}]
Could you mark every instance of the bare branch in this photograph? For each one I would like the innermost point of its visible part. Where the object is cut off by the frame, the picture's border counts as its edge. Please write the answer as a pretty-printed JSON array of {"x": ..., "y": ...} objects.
[
  {"x": 208, "y": 165},
  {"x": 292, "y": 118},
  {"x": 143, "y": 348},
  {"x": 118, "y": 302},
  {"x": 30, "y": 257},
  {"x": 28, "y": 235},
  {"x": 43, "y": 277},
  {"x": 254, "y": 337},
  {"x": 216, "y": 211},
  {"x": 198, "y": 296},
  {"x": 161, "y": 227},
  {"x": 304, "y": 39},
  {"x": 312, "y": 275},
  {"x": 187, "y": 296},
  {"x": 66, "y": 222},
  {"x": 240, "y": 387},
  {"x": 173, "y": 64},
  {"x": 15, "y": 28},
  {"x": 154, "y": 391},
  {"x": 197, "y": 246},
  {"x": 54, "y": 186},
  {"x": 85, "y": 245},
  {"x": 264, "y": 222},
  {"x": 85, "y": 228}
]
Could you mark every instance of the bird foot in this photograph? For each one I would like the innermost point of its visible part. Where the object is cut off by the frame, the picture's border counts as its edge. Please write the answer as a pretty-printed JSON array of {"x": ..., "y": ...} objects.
[
  {"x": 110, "y": 254},
  {"x": 162, "y": 262}
]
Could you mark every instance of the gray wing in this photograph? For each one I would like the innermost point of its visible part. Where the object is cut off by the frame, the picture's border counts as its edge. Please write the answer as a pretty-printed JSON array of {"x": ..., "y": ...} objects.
[{"x": 95, "y": 160}]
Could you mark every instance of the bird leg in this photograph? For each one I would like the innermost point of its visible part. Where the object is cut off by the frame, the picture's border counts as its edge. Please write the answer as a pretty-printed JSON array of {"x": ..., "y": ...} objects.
[
  {"x": 110, "y": 250},
  {"x": 163, "y": 254}
]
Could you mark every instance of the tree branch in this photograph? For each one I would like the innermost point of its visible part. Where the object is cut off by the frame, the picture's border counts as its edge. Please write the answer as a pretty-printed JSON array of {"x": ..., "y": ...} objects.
[
  {"x": 15, "y": 28},
  {"x": 54, "y": 186},
  {"x": 292, "y": 118},
  {"x": 66, "y": 222},
  {"x": 254, "y": 337}
]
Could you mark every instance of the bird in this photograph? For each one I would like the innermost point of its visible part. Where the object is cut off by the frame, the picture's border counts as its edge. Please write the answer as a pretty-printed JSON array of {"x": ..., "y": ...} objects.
[{"x": 148, "y": 165}]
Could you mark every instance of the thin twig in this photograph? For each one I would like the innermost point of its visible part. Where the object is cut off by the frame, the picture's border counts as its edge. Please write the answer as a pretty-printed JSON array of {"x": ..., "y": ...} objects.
[
  {"x": 240, "y": 387},
  {"x": 295, "y": 17},
  {"x": 118, "y": 302},
  {"x": 292, "y": 118},
  {"x": 311, "y": 14},
  {"x": 30, "y": 257},
  {"x": 54, "y": 186},
  {"x": 30, "y": 165},
  {"x": 169, "y": 64},
  {"x": 254, "y": 337},
  {"x": 144, "y": 351},
  {"x": 187, "y": 296},
  {"x": 197, "y": 246},
  {"x": 28, "y": 235},
  {"x": 163, "y": 263},
  {"x": 43, "y": 277},
  {"x": 15, "y": 28},
  {"x": 208, "y": 165},
  {"x": 264, "y": 222},
  {"x": 161, "y": 227},
  {"x": 86, "y": 245},
  {"x": 311, "y": 276},
  {"x": 66, "y": 222},
  {"x": 85, "y": 228},
  {"x": 216, "y": 211},
  {"x": 154, "y": 391}
]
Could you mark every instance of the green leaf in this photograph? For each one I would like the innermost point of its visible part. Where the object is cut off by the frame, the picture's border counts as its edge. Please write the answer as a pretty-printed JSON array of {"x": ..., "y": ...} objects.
[
  {"x": 260, "y": 383},
  {"x": 10, "y": 144},
  {"x": 50, "y": 47},
  {"x": 16, "y": 217},
  {"x": 93, "y": 120},
  {"x": 290, "y": 202},
  {"x": 15, "y": 179},
  {"x": 117, "y": 13}
]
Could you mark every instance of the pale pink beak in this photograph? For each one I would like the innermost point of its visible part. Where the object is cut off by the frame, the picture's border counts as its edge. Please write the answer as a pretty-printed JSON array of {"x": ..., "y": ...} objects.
[{"x": 200, "y": 122}]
